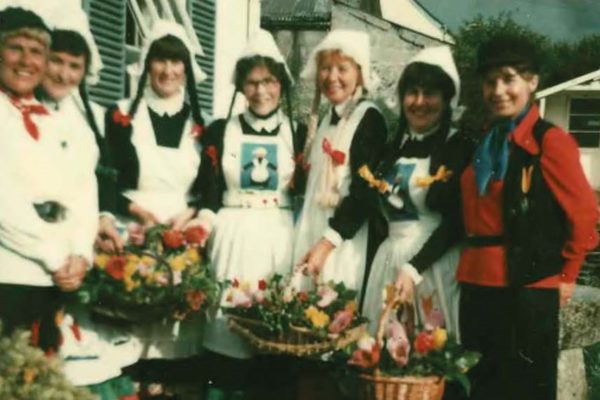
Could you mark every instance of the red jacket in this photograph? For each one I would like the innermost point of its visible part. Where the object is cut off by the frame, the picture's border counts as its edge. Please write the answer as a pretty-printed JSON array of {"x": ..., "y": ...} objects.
[{"x": 564, "y": 176}]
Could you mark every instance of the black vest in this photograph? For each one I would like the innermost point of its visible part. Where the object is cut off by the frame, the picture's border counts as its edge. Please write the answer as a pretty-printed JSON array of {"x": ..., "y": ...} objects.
[{"x": 535, "y": 225}]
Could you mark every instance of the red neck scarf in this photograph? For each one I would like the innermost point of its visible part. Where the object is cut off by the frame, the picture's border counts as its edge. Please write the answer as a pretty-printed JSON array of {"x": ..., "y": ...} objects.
[{"x": 26, "y": 111}]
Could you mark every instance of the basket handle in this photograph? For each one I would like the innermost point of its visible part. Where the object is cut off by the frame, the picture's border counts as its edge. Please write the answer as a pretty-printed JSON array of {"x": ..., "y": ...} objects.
[{"x": 392, "y": 303}]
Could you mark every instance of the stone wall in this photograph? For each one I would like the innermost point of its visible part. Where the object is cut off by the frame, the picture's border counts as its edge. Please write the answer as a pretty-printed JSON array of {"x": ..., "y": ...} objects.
[{"x": 391, "y": 48}]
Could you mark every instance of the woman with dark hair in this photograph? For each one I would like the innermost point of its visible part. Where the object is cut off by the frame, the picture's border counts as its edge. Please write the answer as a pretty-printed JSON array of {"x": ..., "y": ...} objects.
[
  {"x": 154, "y": 141},
  {"x": 249, "y": 177},
  {"x": 530, "y": 217},
  {"x": 418, "y": 194}
]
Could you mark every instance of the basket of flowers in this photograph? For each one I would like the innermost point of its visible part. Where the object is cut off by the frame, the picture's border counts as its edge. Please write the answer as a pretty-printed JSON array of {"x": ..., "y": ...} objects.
[
  {"x": 274, "y": 317},
  {"x": 399, "y": 364},
  {"x": 161, "y": 273}
]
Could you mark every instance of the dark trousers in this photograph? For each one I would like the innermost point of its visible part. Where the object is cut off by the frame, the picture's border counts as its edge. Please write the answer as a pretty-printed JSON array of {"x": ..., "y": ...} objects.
[
  {"x": 32, "y": 308},
  {"x": 516, "y": 331}
]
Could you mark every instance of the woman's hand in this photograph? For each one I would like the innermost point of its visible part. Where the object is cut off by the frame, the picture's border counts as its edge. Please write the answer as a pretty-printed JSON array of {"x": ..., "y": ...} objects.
[
  {"x": 145, "y": 217},
  {"x": 406, "y": 286},
  {"x": 180, "y": 221},
  {"x": 313, "y": 261},
  {"x": 70, "y": 276},
  {"x": 108, "y": 238}
]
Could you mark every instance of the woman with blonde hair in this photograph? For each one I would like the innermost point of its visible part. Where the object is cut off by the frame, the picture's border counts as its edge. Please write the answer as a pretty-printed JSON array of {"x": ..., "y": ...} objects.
[{"x": 332, "y": 231}]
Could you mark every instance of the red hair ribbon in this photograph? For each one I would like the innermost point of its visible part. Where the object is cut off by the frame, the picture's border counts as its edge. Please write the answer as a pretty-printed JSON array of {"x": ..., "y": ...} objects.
[{"x": 338, "y": 157}]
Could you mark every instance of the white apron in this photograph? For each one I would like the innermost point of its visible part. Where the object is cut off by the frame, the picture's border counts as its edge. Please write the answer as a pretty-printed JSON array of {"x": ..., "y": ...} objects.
[
  {"x": 166, "y": 176},
  {"x": 345, "y": 263},
  {"x": 253, "y": 233},
  {"x": 410, "y": 225}
]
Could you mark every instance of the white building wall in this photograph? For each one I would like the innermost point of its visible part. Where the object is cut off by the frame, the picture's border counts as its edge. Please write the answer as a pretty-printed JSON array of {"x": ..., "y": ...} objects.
[
  {"x": 236, "y": 20},
  {"x": 557, "y": 112}
]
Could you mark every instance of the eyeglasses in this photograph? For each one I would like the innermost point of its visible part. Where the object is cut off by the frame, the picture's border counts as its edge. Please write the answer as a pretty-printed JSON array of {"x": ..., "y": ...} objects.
[{"x": 268, "y": 83}]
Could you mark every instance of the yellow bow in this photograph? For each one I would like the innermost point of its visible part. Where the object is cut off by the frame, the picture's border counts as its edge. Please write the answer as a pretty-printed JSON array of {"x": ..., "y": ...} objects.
[
  {"x": 381, "y": 185},
  {"x": 442, "y": 174},
  {"x": 526, "y": 173}
]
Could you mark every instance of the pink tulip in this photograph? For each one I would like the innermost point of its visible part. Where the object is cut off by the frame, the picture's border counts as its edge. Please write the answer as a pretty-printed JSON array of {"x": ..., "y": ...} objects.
[
  {"x": 341, "y": 321},
  {"x": 397, "y": 344}
]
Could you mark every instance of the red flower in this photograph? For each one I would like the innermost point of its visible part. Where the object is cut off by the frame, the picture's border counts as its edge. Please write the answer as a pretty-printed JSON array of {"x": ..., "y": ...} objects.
[
  {"x": 262, "y": 284},
  {"x": 115, "y": 267},
  {"x": 122, "y": 119},
  {"x": 303, "y": 296},
  {"x": 195, "y": 235},
  {"x": 366, "y": 359},
  {"x": 195, "y": 299},
  {"x": 211, "y": 152},
  {"x": 423, "y": 342},
  {"x": 197, "y": 131},
  {"x": 173, "y": 239}
]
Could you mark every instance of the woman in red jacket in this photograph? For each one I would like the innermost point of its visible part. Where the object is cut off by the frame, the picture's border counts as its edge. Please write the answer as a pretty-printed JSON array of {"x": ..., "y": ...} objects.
[{"x": 530, "y": 217}]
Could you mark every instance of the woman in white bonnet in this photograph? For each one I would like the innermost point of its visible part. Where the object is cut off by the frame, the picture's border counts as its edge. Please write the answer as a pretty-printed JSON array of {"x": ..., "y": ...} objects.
[
  {"x": 248, "y": 181},
  {"x": 419, "y": 194},
  {"x": 154, "y": 141},
  {"x": 332, "y": 231}
]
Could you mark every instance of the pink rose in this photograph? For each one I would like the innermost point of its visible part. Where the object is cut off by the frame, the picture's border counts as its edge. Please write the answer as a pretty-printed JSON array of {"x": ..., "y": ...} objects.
[
  {"x": 341, "y": 321},
  {"x": 328, "y": 295}
]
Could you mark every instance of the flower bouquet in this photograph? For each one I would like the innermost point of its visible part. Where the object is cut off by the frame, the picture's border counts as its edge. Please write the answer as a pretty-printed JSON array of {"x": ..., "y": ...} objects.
[
  {"x": 401, "y": 364},
  {"x": 161, "y": 273},
  {"x": 277, "y": 318}
]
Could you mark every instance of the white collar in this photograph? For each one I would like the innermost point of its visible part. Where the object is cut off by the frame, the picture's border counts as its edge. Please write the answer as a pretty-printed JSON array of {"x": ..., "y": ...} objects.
[
  {"x": 268, "y": 124},
  {"x": 339, "y": 108},
  {"x": 170, "y": 105},
  {"x": 421, "y": 136}
]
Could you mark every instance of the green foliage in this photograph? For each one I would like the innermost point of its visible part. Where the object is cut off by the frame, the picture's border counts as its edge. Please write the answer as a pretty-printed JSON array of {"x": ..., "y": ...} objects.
[
  {"x": 468, "y": 39},
  {"x": 27, "y": 374},
  {"x": 560, "y": 61}
]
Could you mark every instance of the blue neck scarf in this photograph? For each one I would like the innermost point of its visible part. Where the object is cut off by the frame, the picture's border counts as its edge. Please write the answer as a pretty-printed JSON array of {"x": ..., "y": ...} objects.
[{"x": 491, "y": 157}]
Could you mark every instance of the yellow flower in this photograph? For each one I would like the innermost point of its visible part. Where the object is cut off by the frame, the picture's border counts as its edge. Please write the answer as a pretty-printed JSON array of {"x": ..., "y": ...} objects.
[
  {"x": 193, "y": 255},
  {"x": 132, "y": 258},
  {"x": 130, "y": 269},
  {"x": 351, "y": 306},
  {"x": 318, "y": 318},
  {"x": 177, "y": 263},
  {"x": 440, "y": 336},
  {"x": 148, "y": 261},
  {"x": 130, "y": 284},
  {"x": 29, "y": 375},
  {"x": 101, "y": 260}
]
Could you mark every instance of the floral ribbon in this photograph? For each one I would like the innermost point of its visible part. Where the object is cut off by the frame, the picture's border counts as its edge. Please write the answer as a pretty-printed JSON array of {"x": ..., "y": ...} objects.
[
  {"x": 381, "y": 185},
  {"x": 442, "y": 175},
  {"x": 526, "y": 174},
  {"x": 338, "y": 157}
]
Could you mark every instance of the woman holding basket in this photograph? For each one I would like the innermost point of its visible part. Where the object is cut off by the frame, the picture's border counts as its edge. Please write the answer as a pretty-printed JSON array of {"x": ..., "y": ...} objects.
[{"x": 249, "y": 177}]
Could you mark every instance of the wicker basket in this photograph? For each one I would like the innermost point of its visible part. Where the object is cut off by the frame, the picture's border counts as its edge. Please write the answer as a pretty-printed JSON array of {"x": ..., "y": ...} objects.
[
  {"x": 298, "y": 341},
  {"x": 380, "y": 387},
  {"x": 152, "y": 309},
  {"x": 377, "y": 386}
]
